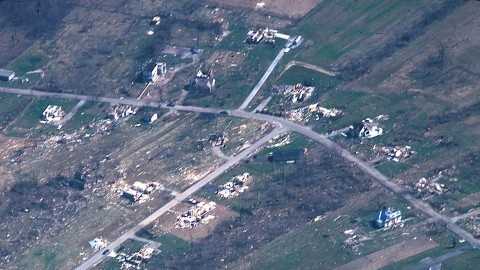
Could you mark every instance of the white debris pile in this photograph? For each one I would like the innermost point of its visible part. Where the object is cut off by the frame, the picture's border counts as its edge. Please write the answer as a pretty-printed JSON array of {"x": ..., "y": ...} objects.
[
  {"x": 314, "y": 111},
  {"x": 98, "y": 243},
  {"x": 233, "y": 188},
  {"x": 425, "y": 186},
  {"x": 53, "y": 114},
  {"x": 472, "y": 223},
  {"x": 217, "y": 139},
  {"x": 296, "y": 93},
  {"x": 354, "y": 240},
  {"x": 263, "y": 34},
  {"x": 279, "y": 141},
  {"x": 135, "y": 260},
  {"x": 367, "y": 129},
  {"x": 122, "y": 111},
  {"x": 139, "y": 192},
  {"x": 396, "y": 153},
  {"x": 198, "y": 214}
]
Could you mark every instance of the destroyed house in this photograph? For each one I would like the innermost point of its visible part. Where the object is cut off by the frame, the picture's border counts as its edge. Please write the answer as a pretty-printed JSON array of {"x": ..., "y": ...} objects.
[{"x": 6, "y": 75}]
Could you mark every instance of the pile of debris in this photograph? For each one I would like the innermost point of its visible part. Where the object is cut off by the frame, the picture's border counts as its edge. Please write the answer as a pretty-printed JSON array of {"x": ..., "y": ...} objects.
[
  {"x": 396, "y": 153},
  {"x": 233, "y": 188},
  {"x": 135, "y": 260},
  {"x": 217, "y": 139},
  {"x": 472, "y": 223},
  {"x": 98, "y": 243},
  {"x": 279, "y": 141},
  {"x": 53, "y": 114},
  {"x": 296, "y": 93},
  {"x": 314, "y": 111},
  {"x": 389, "y": 218},
  {"x": 139, "y": 192},
  {"x": 204, "y": 79},
  {"x": 196, "y": 215},
  {"x": 367, "y": 129},
  {"x": 266, "y": 35},
  {"x": 431, "y": 186},
  {"x": 122, "y": 111},
  {"x": 354, "y": 240}
]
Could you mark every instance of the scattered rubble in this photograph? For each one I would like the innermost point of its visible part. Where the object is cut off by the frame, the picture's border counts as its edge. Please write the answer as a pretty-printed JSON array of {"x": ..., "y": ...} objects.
[
  {"x": 217, "y": 139},
  {"x": 314, "y": 111},
  {"x": 396, "y": 153},
  {"x": 233, "y": 188},
  {"x": 53, "y": 114},
  {"x": 279, "y": 141},
  {"x": 472, "y": 223},
  {"x": 98, "y": 243},
  {"x": 197, "y": 214},
  {"x": 159, "y": 71},
  {"x": 204, "y": 80},
  {"x": 122, "y": 111},
  {"x": 139, "y": 192},
  {"x": 296, "y": 93},
  {"x": 388, "y": 218},
  {"x": 367, "y": 129},
  {"x": 266, "y": 35},
  {"x": 135, "y": 260},
  {"x": 426, "y": 186},
  {"x": 354, "y": 241}
]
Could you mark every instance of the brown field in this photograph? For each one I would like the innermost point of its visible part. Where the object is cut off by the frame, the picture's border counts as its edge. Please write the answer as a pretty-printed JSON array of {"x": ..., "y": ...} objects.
[
  {"x": 167, "y": 223},
  {"x": 289, "y": 8},
  {"x": 390, "y": 255}
]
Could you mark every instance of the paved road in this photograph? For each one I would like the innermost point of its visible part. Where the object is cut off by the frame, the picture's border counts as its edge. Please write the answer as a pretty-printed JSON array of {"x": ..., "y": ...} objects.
[
  {"x": 262, "y": 81},
  {"x": 98, "y": 257},
  {"x": 113, "y": 101},
  {"x": 368, "y": 169}
]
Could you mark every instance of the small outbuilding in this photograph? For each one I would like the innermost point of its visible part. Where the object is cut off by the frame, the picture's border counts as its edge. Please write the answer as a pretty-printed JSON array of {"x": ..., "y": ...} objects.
[{"x": 6, "y": 75}]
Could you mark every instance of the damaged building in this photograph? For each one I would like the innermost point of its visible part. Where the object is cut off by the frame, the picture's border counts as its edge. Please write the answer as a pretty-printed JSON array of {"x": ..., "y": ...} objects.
[
  {"x": 198, "y": 214},
  {"x": 204, "y": 80},
  {"x": 295, "y": 93},
  {"x": 389, "y": 218},
  {"x": 139, "y": 192},
  {"x": 233, "y": 188},
  {"x": 367, "y": 129},
  {"x": 53, "y": 114},
  {"x": 395, "y": 153},
  {"x": 135, "y": 260},
  {"x": 313, "y": 112},
  {"x": 122, "y": 111}
]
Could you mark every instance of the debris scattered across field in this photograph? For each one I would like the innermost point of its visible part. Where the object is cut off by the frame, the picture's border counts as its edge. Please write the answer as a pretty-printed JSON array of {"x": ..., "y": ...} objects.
[
  {"x": 135, "y": 260},
  {"x": 367, "y": 129},
  {"x": 198, "y": 214},
  {"x": 279, "y": 141},
  {"x": 426, "y": 186},
  {"x": 217, "y": 139},
  {"x": 233, "y": 188},
  {"x": 472, "y": 223},
  {"x": 295, "y": 93},
  {"x": 354, "y": 240},
  {"x": 122, "y": 111},
  {"x": 395, "y": 153},
  {"x": 139, "y": 192},
  {"x": 53, "y": 114},
  {"x": 98, "y": 243},
  {"x": 312, "y": 112}
]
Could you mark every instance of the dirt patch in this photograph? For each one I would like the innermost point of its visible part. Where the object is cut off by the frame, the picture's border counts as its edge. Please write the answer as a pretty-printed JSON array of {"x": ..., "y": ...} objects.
[
  {"x": 390, "y": 255},
  {"x": 289, "y": 8},
  {"x": 167, "y": 222}
]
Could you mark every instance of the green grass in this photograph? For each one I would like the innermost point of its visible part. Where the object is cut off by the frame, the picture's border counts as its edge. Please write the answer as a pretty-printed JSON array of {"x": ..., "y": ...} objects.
[
  {"x": 28, "y": 61},
  {"x": 467, "y": 261}
]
